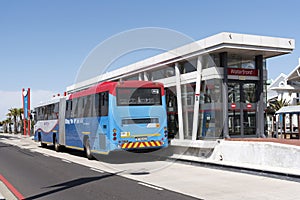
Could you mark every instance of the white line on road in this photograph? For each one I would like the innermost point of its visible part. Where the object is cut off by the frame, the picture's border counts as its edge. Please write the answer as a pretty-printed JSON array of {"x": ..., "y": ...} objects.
[
  {"x": 67, "y": 161},
  {"x": 150, "y": 186},
  {"x": 46, "y": 155},
  {"x": 97, "y": 170}
]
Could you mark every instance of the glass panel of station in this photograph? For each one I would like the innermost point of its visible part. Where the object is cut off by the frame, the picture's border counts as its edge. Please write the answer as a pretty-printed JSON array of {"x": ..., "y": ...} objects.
[
  {"x": 188, "y": 101},
  {"x": 172, "y": 112},
  {"x": 210, "y": 125}
]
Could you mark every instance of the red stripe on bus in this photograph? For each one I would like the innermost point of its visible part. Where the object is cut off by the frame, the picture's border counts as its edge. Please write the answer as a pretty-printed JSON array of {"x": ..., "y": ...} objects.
[
  {"x": 11, "y": 188},
  {"x": 111, "y": 86}
]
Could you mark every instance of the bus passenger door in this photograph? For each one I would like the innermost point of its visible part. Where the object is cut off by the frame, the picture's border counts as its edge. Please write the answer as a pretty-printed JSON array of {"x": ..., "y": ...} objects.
[{"x": 103, "y": 120}]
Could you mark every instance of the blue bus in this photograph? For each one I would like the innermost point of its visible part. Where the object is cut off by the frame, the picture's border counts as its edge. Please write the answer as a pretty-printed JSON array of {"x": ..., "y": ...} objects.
[{"x": 110, "y": 116}]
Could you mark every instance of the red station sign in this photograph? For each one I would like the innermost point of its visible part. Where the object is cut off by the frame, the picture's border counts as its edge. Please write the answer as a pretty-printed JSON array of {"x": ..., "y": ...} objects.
[{"x": 242, "y": 72}]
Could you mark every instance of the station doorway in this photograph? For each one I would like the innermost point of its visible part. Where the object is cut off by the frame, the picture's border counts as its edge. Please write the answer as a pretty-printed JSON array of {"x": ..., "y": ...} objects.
[{"x": 242, "y": 103}]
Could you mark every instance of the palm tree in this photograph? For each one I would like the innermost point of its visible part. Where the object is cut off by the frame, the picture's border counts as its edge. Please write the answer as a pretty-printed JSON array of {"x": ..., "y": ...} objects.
[
  {"x": 9, "y": 121},
  {"x": 274, "y": 106},
  {"x": 2, "y": 123},
  {"x": 20, "y": 112},
  {"x": 14, "y": 113},
  {"x": 5, "y": 126}
]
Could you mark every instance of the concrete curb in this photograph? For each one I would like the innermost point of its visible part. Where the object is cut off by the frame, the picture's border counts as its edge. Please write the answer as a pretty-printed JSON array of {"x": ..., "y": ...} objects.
[{"x": 240, "y": 168}]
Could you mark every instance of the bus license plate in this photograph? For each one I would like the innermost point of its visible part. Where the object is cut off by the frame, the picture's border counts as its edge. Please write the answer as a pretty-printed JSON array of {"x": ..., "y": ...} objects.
[{"x": 141, "y": 138}]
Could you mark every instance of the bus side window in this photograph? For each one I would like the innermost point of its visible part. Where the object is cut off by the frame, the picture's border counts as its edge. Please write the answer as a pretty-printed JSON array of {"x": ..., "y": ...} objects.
[
  {"x": 40, "y": 115},
  {"x": 68, "y": 108},
  {"x": 50, "y": 111},
  {"x": 43, "y": 113},
  {"x": 97, "y": 104},
  {"x": 87, "y": 106},
  {"x": 74, "y": 113},
  {"x": 93, "y": 106},
  {"x": 80, "y": 107},
  {"x": 103, "y": 104},
  {"x": 46, "y": 113},
  {"x": 55, "y": 111}
]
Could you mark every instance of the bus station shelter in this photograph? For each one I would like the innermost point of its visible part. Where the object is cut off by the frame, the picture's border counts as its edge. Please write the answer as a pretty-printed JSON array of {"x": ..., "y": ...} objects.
[{"x": 215, "y": 87}]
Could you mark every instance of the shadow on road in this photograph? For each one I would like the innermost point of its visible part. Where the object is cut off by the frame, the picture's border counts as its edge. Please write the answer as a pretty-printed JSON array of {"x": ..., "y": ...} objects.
[
  {"x": 69, "y": 184},
  {"x": 122, "y": 157}
]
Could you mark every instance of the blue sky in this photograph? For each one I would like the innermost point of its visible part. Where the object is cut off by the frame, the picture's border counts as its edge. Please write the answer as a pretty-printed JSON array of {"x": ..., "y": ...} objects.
[{"x": 43, "y": 43}]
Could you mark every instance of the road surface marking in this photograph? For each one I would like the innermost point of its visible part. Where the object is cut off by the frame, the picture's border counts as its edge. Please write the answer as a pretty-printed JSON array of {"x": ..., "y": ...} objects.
[
  {"x": 67, "y": 161},
  {"x": 11, "y": 188},
  {"x": 150, "y": 186},
  {"x": 97, "y": 170}
]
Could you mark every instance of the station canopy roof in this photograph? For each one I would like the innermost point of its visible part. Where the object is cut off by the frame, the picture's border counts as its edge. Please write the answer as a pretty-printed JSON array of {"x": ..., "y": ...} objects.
[{"x": 233, "y": 43}]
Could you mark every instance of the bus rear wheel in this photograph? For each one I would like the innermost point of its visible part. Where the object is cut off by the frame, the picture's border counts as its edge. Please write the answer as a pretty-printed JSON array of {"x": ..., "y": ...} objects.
[
  {"x": 56, "y": 145},
  {"x": 44, "y": 145},
  {"x": 87, "y": 149}
]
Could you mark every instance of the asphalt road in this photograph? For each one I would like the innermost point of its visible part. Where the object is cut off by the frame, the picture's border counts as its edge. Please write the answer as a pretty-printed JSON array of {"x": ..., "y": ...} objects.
[
  {"x": 42, "y": 173},
  {"x": 37, "y": 176}
]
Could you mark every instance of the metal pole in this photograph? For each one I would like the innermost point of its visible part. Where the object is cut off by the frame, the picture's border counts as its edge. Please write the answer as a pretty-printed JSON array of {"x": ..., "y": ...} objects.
[
  {"x": 28, "y": 111},
  {"x": 24, "y": 121}
]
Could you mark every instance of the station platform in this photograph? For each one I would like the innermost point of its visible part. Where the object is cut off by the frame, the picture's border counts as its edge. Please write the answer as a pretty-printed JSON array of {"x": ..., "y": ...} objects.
[{"x": 295, "y": 142}]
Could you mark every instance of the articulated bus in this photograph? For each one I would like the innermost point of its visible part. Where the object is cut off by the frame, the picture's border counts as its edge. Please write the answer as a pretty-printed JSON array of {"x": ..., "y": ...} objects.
[{"x": 109, "y": 116}]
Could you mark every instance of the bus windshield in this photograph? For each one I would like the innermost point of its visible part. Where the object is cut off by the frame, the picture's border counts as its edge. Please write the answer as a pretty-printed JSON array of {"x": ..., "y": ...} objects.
[{"x": 138, "y": 96}]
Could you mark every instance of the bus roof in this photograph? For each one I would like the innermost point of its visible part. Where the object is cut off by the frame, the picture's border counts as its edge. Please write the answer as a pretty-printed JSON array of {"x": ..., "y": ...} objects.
[
  {"x": 53, "y": 100},
  {"x": 110, "y": 87}
]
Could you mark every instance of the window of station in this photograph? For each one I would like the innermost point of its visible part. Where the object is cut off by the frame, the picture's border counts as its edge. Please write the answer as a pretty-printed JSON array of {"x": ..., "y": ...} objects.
[
  {"x": 132, "y": 78},
  {"x": 167, "y": 71},
  {"x": 240, "y": 61},
  {"x": 188, "y": 66},
  {"x": 210, "y": 60}
]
